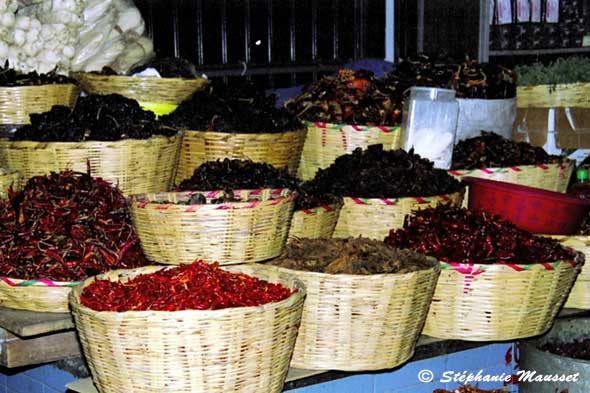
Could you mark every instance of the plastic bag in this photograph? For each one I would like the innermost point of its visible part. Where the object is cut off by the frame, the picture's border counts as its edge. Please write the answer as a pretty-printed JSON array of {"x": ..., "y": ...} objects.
[{"x": 476, "y": 115}]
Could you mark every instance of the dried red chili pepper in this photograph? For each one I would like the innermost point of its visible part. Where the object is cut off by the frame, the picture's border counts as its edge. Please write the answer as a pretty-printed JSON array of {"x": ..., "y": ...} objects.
[
  {"x": 196, "y": 286},
  {"x": 460, "y": 235}
]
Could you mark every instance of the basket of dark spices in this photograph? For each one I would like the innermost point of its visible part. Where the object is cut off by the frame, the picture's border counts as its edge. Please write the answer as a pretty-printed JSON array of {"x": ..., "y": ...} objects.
[
  {"x": 192, "y": 328},
  {"x": 57, "y": 231},
  {"x": 380, "y": 187},
  {"x": 359, "y": 291},
  {"x": 498, "y": 282},
  {"x": 111, "y": 135}
]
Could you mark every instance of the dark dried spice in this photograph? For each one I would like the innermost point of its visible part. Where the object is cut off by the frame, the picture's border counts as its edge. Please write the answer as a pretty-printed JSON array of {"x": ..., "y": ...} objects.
[
  {"x": 578, "y": 349},
  {"x": 463, "y": 236},
  {"x": 10, "y": 78},
  {"x": 197, "y": 286},
  {"x": 485, "y": 81},
  {"x": 240, "y": 107},
  {"x": 491, "y": 150},
  {"x": 66, "y": 227},
  {"x": 378, "y": 173},
  {"x": 95, "y": 117},
  {"x": 169, "y": 67},
  {"x": 351, "y": 97},
  {"x": 349, "y": 256}
]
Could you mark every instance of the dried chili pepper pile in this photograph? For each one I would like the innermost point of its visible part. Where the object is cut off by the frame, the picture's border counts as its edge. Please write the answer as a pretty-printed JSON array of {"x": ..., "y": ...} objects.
[
  {"x": 237, "y": 107},
  {"x": 349, "y": 256},
  {"x": 464, "y": 236},
  {"x": 378, "y": 173},
  {"x": 483, "y": 80},
  {"x": 9, "y": 77},
  {"x": 468, "y": 389},
  {"x": 579, "y": 349},
  {"x": 491, "y": 150},
  {"x": 66, "y": 227},
  {"x": 196, "y": 286},
  {"x": 351, "y": 97}
]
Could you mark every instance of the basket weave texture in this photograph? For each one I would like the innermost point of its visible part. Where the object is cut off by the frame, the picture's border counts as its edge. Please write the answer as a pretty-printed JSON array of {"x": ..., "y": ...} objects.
[
  {"x": 360, "y": 322},
  {"x": 40, "y": 295},
  {"x": 326, "y": 141},
  {"x": 146, "y": 89},
  {"x": 554, "y": 96},
  {"x": 282, "y": 149},
  {"x": 476, "y": 302},
  {"x": 228, "y": 233},
  {"x": 135, "y": 165},
  {"x": 373, "y": 218},
  {"x": 580, "y": 294},
  {"x": 244, "y": 349},
  {"x": 8, "y": 179},
  {"x": 18, "y": 102},
  {"x": 316, "y": 223}
]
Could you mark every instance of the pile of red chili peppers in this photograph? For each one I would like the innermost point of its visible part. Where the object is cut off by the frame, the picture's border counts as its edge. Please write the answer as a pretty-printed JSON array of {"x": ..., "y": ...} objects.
[
  {"x": 460, "y": 235},
  {"x": 196, "y": 286},
  {"x": 66, "y": 227}
]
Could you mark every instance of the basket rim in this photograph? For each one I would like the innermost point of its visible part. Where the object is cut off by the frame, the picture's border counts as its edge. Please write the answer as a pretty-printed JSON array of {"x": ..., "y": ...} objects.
[
  {"x": 356, "y": 127},
  {"x": 324, "y": 207},
  {"x": 240, "y": 133},
  {"x": 91, "y": 143},
  {"x": 503, "y": 266},
  {"x": 553, "y": 87},
  {"x": 36, "y": 282},
  {"x": 565, "y": 164},
  {"x": 74, "y": 298},
  {"x": 90, "y": 75},
  {"x": 45, "y": 85},
  {"x": 393, "y": 201}
]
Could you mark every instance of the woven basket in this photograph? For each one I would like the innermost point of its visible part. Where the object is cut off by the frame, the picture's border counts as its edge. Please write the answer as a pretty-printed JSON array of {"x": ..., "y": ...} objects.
[
  {"x": 162, "y": 95},
  {"x": 476, "y": 302},
  {"x": 135, "y": 165},
  {"x": 17, "y": 103},
  {"x": 281, "y": 149},
  {"x": 374, "y": 218},
  {"x": 360, "y": 322},
  {"x": 554, "y": 96},
  {"x": 244, "y": 349},
  {"x": 40, "y": 295},
  {"x": 228, "y": 233},
  {"x": 580, "y": 295},
  {"x": 325, "y": 142},
  {"x": 8, "y": 179},
  {"x": 316, "y": 223}
]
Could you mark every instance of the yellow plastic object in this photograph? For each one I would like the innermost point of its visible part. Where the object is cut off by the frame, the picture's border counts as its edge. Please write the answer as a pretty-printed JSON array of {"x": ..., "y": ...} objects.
[{"x": 159, "y": 109}]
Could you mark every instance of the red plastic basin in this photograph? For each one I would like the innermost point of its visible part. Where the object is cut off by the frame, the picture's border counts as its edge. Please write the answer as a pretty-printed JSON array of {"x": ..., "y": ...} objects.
[{"x": 532, "y": 209}]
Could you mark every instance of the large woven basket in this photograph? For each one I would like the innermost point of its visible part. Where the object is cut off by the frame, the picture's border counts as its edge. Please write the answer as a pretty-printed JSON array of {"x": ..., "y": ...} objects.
[
  {"x": 244, "y": 349},
  {"x": 35, "y": 295},
  {"x": 281, "y": 149},
  {"x": 325, "y": 142},
  {"x": 134, "y": 165},
  {"x": 17, "y": 103},
  {"x": 360, "y": 322},
  {"x": 476, "y": 302},
  {"x": 228, "y": 233},
  {"x": 8, "y": 179},
  {"x": 554, "y": 96},
  {"x": 374, "y": 218},
  {"x": 161, "y": 95},
  {"x": 580, "y": 294},
  {"x": 316, "y": 223}
]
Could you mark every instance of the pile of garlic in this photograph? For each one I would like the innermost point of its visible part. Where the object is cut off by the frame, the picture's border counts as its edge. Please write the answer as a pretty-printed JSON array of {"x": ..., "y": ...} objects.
[{"x": 71, "y": 35}]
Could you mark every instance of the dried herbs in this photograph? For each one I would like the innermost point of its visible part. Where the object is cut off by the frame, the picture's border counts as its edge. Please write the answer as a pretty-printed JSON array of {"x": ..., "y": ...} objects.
[
  {"x": 578, "y": 349},
  {"x": 197, "y": 286},
  {"x": 562, "y": 71},
  {"x": 349, "y": 256},
  {"x": 169, "y": 67},
  {"x": 66, "y": 227},
  {"x": 10, "y": 78},
  {"x": 378, "y": 173},
  {"x": 95, "y": 117},
  {"x": 351, "y": 97},
  {"x": 491, "y": 150},
  {"x": 239, "y": 107},
  {"x": 460, "y": 235}
]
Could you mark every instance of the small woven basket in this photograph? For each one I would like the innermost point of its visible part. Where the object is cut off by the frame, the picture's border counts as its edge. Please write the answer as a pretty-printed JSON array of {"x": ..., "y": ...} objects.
[
  {"x": 554, "y": 96},
  {"x": 18, "y": 102},
  {"x": 40, "y": 295},
  {"x": 476, "y": 302},
  {"x": 374, "y": 218},
  {"x": 162, "y": 94},
  {"x": 243, "y": 349},
  {"x": 325, "y": 142},
  {"x": 316, "y": 223},
  {"x": 134, "y": 165},
  {"x": 360, "y": 322},
  {"x": 580, "y": 294},
  {"x": 8, "y": 179},
  {"x": 228, "y": 233},
  {"x": 281, "y": 149}
]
